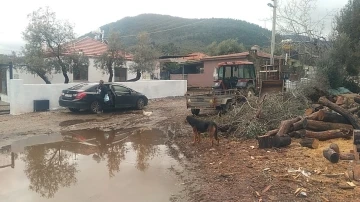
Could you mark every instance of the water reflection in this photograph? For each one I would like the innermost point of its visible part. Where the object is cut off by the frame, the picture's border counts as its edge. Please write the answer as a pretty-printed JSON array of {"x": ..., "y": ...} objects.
[{"x": 51, "y": 166}]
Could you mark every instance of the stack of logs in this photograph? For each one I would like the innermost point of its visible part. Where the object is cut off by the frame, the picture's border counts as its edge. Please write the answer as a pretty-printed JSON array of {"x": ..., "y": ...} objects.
[{"x": 318, "y": 124}]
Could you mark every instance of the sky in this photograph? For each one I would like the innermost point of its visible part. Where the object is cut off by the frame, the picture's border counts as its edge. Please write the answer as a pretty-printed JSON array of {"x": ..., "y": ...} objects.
[{"x": 89, "y": 15}]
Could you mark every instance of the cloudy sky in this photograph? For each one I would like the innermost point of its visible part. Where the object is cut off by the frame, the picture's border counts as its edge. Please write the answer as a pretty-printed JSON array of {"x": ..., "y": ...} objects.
[{"x": 89, "y": 15}]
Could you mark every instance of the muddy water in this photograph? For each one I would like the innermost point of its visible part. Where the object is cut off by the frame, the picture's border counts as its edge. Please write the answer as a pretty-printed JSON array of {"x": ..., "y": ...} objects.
[{"x": 92, "y": 165}]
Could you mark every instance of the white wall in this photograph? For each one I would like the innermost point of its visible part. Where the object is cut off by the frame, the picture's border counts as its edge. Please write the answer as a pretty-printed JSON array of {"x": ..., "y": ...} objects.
[
  {"x": 158, "y": 88},
  {"x": 22, "y": 95}
]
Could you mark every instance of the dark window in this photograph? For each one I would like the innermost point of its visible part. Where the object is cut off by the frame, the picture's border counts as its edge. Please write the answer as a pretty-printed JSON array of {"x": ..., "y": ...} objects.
[
  {"x": 120, "y": 89},
  {"x": 3, "y": 81}
]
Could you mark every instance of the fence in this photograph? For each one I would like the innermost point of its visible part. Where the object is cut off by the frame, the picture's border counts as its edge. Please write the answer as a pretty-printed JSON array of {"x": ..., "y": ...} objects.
[
  {"x": 293, "y": 85},
  {"x": 22, "y": 95}
]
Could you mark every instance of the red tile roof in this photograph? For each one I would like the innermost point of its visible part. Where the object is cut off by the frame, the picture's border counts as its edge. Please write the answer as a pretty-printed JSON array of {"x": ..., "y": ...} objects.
[
  {"x": 234, "y": 55},
  {"x": 240, "y": 55},
  {"x": 91, "y": 48},
  {"x": 196, "y": 56}
]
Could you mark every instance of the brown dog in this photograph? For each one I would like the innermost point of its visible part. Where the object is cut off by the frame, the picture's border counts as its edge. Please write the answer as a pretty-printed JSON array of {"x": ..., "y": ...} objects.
[{"x": 200, "y": 126}]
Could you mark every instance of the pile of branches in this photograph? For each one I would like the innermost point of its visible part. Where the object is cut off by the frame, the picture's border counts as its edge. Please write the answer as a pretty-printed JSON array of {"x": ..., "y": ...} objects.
[{"x": 256, "y": 115}]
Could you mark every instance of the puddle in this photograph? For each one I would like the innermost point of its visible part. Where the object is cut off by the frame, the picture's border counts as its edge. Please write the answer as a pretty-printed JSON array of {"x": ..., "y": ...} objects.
[
  {"x": 74, "y": 122},
  {"x": 92, "y": 165}
]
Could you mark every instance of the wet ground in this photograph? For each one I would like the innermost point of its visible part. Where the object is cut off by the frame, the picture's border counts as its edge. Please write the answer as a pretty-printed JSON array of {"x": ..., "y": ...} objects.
[
  {"x": 93, "y": 165},
  {"x": 125, "y": 156}
]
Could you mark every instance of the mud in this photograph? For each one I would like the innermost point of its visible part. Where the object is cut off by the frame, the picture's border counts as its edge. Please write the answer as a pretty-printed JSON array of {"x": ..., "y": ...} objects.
[{"x": 94, "y": 165}]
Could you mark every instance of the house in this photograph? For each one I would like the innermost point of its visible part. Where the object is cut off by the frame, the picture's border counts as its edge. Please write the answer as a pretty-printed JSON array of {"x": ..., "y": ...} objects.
[
  {"x": 87, "y": 46},
  {"x": 199, "y": 70}
]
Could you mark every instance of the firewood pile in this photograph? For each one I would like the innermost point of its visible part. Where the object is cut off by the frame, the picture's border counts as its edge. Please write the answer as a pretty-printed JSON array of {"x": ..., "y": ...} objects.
[{"x": 329, "y": 119}]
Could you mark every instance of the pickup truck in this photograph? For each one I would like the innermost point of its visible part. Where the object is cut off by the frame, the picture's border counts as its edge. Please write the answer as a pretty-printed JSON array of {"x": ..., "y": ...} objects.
[{"x": 221, "y": 100}]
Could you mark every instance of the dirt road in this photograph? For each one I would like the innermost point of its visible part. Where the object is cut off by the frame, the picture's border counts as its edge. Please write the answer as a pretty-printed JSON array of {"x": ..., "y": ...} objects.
[{"x": 234, "y": 171}]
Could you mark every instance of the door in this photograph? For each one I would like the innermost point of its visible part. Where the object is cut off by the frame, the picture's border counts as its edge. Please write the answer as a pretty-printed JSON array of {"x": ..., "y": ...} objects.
[{"x": 122, "y": 96}]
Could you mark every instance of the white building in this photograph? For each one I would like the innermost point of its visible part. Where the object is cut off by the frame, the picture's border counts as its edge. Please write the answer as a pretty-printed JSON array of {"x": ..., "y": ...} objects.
[{"x": 89, "y": 47}]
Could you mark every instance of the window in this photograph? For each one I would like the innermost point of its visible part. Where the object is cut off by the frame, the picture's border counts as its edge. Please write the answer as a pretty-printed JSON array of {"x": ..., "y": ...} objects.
[
  {"x": 249, "y": 72},
  {"x": 3, "y": 81},
  {"x": 120, "y": 90},
  {"x": 227, "y": 72}
]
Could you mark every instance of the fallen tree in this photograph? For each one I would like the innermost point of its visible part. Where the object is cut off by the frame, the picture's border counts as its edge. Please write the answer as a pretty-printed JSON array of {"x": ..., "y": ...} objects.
[
  {"x": 345, "y": 113},
  {"x": 324, "y": 126}
]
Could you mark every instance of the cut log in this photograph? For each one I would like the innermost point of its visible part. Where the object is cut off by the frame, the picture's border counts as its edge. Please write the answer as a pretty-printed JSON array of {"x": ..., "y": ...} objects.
[
  {"x": 281, "y": 141},
  {"x": 326, "y": 116},
  {"x": 309, "y": 111},
  {"x": 354, "y": 109},
  {"x": 299, "y": 125},
  {"x": 285, "y": 126},
  {"x": 345, "y": 113},
  {"x": 330, "y": 134},
  {"x": 331, "y": 155},
  {"x": 357, "y": 100},
  {"x": 310, "y": 143},
  {"x": 340, "y": 100},
  {"x": 298, "y": 134},
  {"x": 347, "y": 156},
  {"x": 324, "y": 126},
  {"x": 335, "y": 147},
  {"x": 265, "y": 142}
]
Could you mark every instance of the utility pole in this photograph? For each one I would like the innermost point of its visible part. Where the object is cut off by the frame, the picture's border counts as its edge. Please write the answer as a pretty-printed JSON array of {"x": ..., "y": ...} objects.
[{"x": 273, "y": 31}]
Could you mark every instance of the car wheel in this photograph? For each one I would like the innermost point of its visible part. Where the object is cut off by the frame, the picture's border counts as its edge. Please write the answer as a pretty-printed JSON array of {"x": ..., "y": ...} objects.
[
  {"x": 95, "y": 107},
  {"x": 140, "y": 103},
  {"x": 74, "y": 110},
  {"x": 195, "y": 111}
]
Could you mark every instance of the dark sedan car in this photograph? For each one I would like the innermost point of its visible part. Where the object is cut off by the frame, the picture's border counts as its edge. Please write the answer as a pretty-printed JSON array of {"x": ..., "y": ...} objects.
[{"x": 86, "y": 96}]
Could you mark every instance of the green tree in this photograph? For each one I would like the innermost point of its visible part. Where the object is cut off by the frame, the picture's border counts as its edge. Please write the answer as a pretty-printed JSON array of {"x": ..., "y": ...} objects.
[
  {"x": 33, "y": 61},
  {"x": 170, "y": 49},
  {"x": 46, "y": 32},
  {"x": 145, "y": 56},
  {"x": 228, "y": 46},
  {"x": 347, "y": 39},
  {"x": 113, "y": 57}
]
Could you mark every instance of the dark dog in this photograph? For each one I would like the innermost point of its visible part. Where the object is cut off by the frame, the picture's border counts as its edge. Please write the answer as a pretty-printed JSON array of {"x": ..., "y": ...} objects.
[{"x": 200, "y": 126}]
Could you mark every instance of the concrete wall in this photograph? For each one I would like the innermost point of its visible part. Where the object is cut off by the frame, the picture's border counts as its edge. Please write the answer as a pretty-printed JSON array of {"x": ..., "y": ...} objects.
[{"x": 22, "y": 95}]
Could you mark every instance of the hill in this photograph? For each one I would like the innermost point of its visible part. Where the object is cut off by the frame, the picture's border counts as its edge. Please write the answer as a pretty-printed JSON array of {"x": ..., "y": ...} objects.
[{"x": 190, "y": 35}]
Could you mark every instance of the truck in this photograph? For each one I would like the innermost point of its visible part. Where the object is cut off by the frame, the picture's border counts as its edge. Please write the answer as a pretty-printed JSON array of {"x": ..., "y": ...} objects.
[{"x": 234, "y": 81}]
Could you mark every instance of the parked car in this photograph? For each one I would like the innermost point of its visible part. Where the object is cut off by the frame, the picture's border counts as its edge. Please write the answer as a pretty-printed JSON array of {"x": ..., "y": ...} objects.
[{"x": 85, "y": 96}]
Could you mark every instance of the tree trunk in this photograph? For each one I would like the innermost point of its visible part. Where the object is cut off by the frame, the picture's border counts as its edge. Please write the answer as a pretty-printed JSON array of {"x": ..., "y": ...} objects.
[
  {"x": 310, "y": 143},
  {"x": 330, "y": 134},
  {"x": 299, "y": 125},
  {"x": 324, "y": 126},
  {"x": 265, "y": 142},
  {"x": 138, "y": 76},
  {"x": 345, "y": 113},
  {"x": 347, "y": 156},
  {"x": 281, "y": 141},
  {"x": 325, "y": 116},
  {"x": 111, "y": 72},
  {"x": 65, "y": 76},
  {"x": 331, "y": 155},
  {"x": 298, "y": 134},
  {"x": 285, "y": 126},
  {"x": 44, "y": 77}
]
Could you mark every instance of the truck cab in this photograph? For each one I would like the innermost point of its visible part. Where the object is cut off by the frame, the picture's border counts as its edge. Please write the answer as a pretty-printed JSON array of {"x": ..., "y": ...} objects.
[{"x": 235, "y": 75}]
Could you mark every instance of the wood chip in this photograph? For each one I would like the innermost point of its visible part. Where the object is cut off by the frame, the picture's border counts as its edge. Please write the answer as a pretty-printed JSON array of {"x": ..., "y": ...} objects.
[
  {"x": 325, "y": 199},
  {"x": 266, "y": 189}
]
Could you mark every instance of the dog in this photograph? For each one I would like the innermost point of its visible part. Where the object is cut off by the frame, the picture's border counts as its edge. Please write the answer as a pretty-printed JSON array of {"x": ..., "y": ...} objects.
[{"x": 200, "y": 126}]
